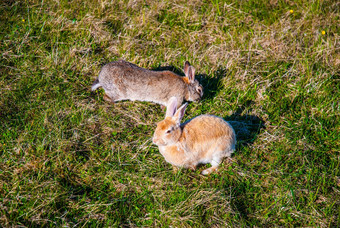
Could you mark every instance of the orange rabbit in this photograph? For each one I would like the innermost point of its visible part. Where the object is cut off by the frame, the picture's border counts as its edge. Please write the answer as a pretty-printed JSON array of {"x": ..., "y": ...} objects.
[{"x": 201, "y": 140}]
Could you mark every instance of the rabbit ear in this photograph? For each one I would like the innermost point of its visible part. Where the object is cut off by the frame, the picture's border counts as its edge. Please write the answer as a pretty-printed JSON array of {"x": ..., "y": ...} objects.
[
  {"x": 180, "y": 113},
  {"x": 172, "y": 107},
  {"x": 191, "y": 74},
  {"x": 186, "y": 68}
]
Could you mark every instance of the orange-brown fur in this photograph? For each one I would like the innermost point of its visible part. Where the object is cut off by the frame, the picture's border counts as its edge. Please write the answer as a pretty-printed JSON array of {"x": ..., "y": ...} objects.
[
  {"x": 186, "y": 80},
  {"x": 193, "y": 128},
  {"x": 203, "y": 139}
]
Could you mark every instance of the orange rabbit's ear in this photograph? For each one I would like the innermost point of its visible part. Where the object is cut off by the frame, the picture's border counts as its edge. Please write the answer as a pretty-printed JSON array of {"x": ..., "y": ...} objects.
[
  {"x": 172, "y": 107},
  {"x": 180, "y": 113}
]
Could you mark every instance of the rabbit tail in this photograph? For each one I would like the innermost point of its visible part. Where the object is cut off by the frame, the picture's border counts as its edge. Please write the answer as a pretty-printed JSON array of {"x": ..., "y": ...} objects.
[{"x": 95, "y": 85}]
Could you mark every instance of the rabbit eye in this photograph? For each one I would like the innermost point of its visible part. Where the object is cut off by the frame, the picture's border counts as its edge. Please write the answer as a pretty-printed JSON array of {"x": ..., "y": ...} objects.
[
  {"x": 199, "y": 90},
  {"x": 169, "y": 130}
]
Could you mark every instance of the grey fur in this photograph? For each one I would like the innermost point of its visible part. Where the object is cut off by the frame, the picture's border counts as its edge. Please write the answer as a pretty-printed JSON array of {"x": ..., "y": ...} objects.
[{"x": 122, "y": 80}]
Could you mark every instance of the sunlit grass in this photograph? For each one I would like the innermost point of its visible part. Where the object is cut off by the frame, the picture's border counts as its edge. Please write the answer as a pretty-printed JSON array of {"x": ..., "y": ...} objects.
[{"x": 68, "y": 158}]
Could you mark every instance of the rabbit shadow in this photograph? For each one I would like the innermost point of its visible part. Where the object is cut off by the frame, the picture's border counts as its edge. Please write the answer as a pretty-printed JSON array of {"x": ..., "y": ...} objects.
[
  {"x": 246, "y": 127},
  {"x": 174, "y": 69},
  {"x": 213, "y": 84}
]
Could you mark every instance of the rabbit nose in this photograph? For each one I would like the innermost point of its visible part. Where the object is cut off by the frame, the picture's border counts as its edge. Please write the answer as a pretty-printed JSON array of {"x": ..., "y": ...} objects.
[
  {"x": 157, "y": 141},
  {"x": 198, "y": 99}
]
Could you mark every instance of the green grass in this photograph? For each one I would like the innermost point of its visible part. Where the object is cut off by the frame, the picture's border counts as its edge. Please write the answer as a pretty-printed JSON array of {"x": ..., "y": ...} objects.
[{"x": 68, "y": 158}]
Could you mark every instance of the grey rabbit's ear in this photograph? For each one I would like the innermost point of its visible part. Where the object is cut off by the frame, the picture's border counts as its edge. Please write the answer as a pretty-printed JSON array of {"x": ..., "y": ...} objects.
[
  {"x": 191, "y": 74},
  {"x": 186, "y": 68},
  {"x": 172, "y": 107},
  {"x": 180, "y": 113}
]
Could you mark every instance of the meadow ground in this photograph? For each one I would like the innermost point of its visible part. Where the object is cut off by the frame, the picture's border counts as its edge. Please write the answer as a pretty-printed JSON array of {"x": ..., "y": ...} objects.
[{"x": 68, "y": 158}]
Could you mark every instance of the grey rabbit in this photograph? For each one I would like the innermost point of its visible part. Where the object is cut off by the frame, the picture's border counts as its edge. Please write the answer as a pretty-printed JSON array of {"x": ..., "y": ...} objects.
[{"x": 122, "y": 80}]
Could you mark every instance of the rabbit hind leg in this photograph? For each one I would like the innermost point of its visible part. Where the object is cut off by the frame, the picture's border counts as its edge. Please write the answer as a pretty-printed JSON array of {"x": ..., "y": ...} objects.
[
  {"x": 214, "y": 166},
  {"x": 111, "y": 97},
  {"x": 107, "y": 98}
]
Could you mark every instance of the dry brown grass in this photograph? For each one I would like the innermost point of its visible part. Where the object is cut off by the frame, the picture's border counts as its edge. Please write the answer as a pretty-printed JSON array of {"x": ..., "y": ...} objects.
[{"x": 70, "y": 159}]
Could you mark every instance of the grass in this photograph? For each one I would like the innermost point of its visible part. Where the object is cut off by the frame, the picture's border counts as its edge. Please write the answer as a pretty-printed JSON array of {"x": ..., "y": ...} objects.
[{"x": 68, "y": 158}]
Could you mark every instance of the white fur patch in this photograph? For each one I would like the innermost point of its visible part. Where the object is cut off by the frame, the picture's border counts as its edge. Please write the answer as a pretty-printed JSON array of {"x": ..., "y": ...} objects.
[{"x": 96, "y": 86}]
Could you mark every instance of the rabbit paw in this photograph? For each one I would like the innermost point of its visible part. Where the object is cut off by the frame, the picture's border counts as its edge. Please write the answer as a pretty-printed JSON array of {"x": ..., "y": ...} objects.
[{"x": 209, "y": 170}]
